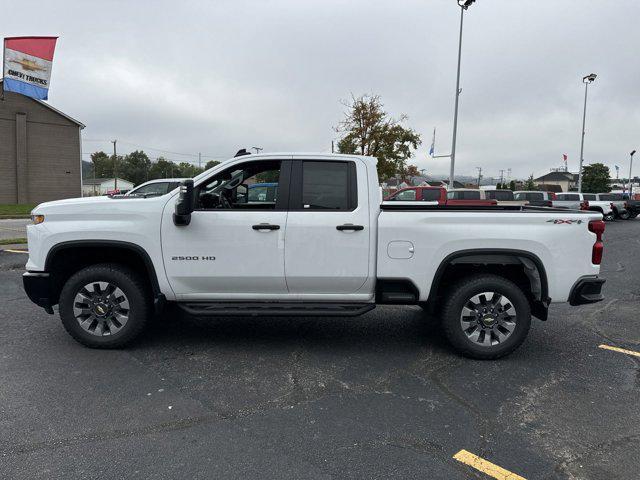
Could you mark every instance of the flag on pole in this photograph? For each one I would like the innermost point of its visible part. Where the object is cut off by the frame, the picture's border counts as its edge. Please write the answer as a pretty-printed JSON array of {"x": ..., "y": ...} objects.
[
  {"x": 564, "y": 157},
  {"x": 27, "y": 65},
  {"x": 432, "y": 149}
]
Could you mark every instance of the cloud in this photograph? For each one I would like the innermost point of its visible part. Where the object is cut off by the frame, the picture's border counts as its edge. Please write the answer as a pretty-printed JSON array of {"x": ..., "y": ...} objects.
[{"x": 213, "y": 77}]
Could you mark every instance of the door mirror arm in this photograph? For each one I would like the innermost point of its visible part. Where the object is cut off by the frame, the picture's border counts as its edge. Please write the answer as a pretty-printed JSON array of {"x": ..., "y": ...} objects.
[{"x": 185, "y": 204}]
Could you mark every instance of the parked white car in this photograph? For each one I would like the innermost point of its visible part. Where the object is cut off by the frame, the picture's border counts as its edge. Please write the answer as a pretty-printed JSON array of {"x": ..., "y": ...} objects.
[{"x": 327, "y": 245}]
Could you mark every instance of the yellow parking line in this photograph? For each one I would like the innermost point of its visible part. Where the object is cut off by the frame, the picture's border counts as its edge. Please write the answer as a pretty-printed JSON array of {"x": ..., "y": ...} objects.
[
  {"x": 621, "y": 350},
  {"x": 16, "y": 251},
  {"x": 484, "y": 466}
]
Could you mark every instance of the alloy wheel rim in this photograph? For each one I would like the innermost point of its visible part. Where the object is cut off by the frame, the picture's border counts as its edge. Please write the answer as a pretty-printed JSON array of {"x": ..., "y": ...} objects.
[
  {"x": 101, "y": 308},
  {"x": 488, "y": 319}
]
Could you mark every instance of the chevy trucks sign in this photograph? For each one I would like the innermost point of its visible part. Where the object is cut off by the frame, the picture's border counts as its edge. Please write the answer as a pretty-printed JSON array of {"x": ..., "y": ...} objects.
[{"x": 27, "y": 65}]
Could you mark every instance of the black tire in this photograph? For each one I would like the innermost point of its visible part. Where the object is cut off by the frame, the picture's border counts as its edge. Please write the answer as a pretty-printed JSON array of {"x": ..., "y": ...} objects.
[
  {"x": 624, "y": 215},
  {"x": 136, "y": 292},
  {"x": 459, "y": 297},
  {"x": 609, "y": 217}
]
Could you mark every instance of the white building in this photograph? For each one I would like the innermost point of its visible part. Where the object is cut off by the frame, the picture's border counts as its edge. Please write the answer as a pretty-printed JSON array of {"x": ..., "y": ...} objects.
[{"x": 102, "y": 186}]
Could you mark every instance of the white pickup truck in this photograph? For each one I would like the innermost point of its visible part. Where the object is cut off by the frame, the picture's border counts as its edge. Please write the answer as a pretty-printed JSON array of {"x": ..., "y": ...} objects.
[
  {"x": 325, "y": 245},
  {"x": 585, "y": 201}
]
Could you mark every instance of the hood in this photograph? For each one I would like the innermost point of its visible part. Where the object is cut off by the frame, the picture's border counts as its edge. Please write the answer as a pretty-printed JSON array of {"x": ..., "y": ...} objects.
[
  {"x": 71, "y": 201},
  {"x": 99, "y": 205}
]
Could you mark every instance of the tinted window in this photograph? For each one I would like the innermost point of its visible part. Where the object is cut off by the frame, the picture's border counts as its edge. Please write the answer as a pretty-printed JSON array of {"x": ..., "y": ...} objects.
[
  {"x": 531, "y": 196},
  {"x": 406, "y": 195},
  {"x": 589, "y": 196},
  {"x": 610, "y": 196},
  {"x": 500, "y": 195},
  {"x": 430, "y": 194},
  {"x": 464, "y": 195},
  {"x": 327, "y": 186},
  {"x": 568, "y": 196}
]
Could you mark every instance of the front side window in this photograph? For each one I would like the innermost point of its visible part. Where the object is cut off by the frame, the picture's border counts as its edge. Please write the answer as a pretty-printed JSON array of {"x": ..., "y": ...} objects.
[
  {"x": 406, "y": 195},
  {"x": 328, "y": 185},
  {"x": 250, "y": 185},
  {"x": 589, "y": 196},
  {"x": 531, "y": 196},
  {"x": 464, "y": 195}
]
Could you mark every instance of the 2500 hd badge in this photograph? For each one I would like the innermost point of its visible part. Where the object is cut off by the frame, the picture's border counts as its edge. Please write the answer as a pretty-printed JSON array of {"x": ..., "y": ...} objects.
[{"x": 195, "y": 257}]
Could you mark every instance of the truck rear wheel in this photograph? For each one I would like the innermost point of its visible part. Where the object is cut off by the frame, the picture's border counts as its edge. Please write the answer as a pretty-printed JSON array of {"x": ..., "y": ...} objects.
[
  {"x": 104, "y": 306},
  {"x": 486, "y": 317}
]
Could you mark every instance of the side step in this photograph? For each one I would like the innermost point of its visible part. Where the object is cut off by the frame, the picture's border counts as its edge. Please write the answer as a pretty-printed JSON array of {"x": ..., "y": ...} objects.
[{"x": 278, "y": 309}]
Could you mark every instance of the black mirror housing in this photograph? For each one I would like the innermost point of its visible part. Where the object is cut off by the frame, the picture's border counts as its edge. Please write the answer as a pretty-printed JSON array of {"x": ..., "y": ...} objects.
[{"x": 185, "y": 204}]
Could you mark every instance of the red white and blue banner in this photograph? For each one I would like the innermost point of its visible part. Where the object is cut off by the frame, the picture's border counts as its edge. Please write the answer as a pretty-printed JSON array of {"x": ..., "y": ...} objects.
[{"x": 27, "y": 65}]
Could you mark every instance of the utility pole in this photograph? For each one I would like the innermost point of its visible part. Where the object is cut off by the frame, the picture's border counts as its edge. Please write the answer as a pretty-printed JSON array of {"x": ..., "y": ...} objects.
[
  {"x": 501, "y": 176},
  {"x": 479, "y": 175},
  {"x": 630, "y": 167},
  {"x": 115, "y": 166},
  {"x": 332, "y": 151},
  {"x": 586, "y": 80},
  {"x": 199, "y": 160}
]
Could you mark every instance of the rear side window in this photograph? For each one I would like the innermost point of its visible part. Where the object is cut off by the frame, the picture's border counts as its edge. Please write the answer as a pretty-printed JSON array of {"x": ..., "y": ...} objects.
[
  {"x": 500, "y": 195},
  {"x": 430, "y": 194},
  {"x": 611, "y": 196},
  {"x": 589, "y": 196},
  {"x": 329, "y": 186},
  {"x": 464, "y": 195}
]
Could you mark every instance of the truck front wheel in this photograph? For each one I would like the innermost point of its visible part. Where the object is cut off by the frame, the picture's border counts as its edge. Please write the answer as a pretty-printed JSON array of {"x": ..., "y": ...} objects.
[
  {"x": 486, "y": 317},
  {"x": 104, "y": 306}
]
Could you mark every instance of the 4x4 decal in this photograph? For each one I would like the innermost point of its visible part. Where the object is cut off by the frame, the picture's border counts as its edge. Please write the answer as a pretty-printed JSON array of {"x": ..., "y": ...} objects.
[{"x": 559, "y": 221}]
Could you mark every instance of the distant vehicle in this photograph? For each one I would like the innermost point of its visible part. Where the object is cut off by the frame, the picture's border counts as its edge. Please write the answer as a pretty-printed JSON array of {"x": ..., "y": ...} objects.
[
  {"x": 431, "y": 195},
  {"x": 263, "y": 193},
  {"x": 155, "y": 188},
  {"x": 503, "y": 197},
  {"x": 618, "y": 203},
  {"x": 535, "y": 198},
  {"x": 570, "y": 200},
  {"x": 633, "y": 206},
  {"x": 468, "y": 196}
]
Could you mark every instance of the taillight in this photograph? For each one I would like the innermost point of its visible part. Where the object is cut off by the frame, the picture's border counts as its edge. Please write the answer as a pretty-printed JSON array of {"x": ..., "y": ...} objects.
[
  {"x": 584, "y": 205},
  {"x": 597, "y": 227},
  {"x": 552, "y": 196}
]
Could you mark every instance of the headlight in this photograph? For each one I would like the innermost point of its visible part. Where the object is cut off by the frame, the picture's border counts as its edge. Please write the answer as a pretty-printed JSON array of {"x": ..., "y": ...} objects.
[{"x": 36, "y": 219}]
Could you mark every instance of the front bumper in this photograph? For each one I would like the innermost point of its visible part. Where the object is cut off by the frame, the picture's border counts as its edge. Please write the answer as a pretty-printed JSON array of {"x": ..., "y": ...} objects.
[
  {"x": 587, "y": 290},
  {"x": 37, "y": 285}
]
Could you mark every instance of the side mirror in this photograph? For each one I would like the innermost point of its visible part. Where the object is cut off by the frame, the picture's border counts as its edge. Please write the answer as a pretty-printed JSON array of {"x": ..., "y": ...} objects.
[{"x": 185, "y": 204}]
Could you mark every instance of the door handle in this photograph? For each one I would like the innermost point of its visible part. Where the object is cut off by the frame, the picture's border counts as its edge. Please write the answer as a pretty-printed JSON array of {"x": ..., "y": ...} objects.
[
  {"x": 265, "y": 226},
  {"x": 348, "y": 226}
]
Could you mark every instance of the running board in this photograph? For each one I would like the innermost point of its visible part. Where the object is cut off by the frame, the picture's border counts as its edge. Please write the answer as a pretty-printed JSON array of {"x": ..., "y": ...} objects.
[{"x": 278, "y": 309}]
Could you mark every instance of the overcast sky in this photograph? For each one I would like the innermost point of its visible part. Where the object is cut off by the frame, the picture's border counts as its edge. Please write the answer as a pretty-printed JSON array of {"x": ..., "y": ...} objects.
[{"x": 216, "y": 76}]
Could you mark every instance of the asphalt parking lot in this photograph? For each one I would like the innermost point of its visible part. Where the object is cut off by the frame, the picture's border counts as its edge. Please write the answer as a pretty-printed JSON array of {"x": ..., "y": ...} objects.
[{"x": 379, "y": 396}]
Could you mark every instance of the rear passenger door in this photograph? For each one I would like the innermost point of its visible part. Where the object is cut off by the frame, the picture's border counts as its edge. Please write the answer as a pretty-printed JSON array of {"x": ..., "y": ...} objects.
[{"x": 327, "y": 238}]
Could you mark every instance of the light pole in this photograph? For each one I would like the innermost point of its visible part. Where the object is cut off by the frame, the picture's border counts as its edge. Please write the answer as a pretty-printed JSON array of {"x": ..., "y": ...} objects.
[
  {"x": 586, "y": 80},
  {"x": 630, "y": 189},
  {"x": 464, "y": 4}
]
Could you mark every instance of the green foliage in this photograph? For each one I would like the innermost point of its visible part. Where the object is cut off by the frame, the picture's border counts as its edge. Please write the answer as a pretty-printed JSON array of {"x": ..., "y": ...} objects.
[
  {"x": 595, "y": 178},
  {"x": 368, "y": 130},
  {"x": 512, "y": 185},
  {"x": 138, "y": 168},
  {"x": 529, "y": 184}
]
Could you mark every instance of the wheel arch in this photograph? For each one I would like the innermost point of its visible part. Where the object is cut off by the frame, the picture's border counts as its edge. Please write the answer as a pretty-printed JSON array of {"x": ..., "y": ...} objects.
[
  {"x": 66, "y": 258},
  {"x": 515, "y": 265}
]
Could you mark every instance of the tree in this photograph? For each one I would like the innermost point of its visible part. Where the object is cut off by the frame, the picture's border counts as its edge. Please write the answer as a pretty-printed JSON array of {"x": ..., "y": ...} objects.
[
  {"x": 135, "y": 167},
  {"x": 595, "y": 178},
  {"x": 512, "y": 185},
  {"x": 211, "y": 164},
  {"x": 368, "y": 130},
  {"x": 162, "y": 168},
  {"x": 102, "y": 165},
  {"x": 529, "y": 184},
  {"x": 408, "y": 172}
]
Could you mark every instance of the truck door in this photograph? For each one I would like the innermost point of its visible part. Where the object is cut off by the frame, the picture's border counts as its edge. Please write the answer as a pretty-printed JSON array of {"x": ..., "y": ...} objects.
[
  {"x": 234, "y": 245},
  {"x": 328, "y": 228}
]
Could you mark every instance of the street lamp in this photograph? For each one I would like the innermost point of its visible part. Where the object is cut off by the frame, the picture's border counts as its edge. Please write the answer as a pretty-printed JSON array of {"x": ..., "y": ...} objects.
[
  {"x": 630, "y": 166},
  {"x": 586, "y": 80},
  {"x": 464, "y": 5}
]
